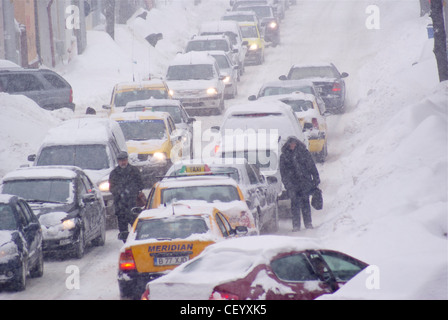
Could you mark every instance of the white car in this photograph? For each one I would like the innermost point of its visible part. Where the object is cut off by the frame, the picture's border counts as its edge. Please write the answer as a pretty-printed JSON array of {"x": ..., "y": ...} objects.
[
  {"x": 194, "y": 79},
  {"x": 229, "y": 70},
  {"x": 257, "y": 131}
]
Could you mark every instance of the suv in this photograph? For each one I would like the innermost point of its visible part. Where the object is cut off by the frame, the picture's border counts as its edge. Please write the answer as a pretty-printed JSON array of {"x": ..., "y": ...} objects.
[
  {"x": 47, "y": 88},
  {"x": 194, "y": 79},
  {"x": 327, "y": 79},
  {"x": 92, "y": 144},
  {"x": 232, "y": 30},
  {"x": 133, "y": 91}
]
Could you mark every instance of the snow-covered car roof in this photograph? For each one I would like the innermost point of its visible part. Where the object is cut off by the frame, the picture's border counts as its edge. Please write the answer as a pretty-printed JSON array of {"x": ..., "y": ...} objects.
[
  {"x": 193, "y": 57},
  {"x": 141, "y": 84},
  {"x": 153, "y": 103},
  {"x": 44, "y": 172},
  {"x": 140, "y": 115},
  {"x": 257, "y": 107},
  {"x": 219, "y": 26},
  {"x": 288, "y": 83},
  {"x": 173, "y": 182},
  {"x": 176, "y": 209}
]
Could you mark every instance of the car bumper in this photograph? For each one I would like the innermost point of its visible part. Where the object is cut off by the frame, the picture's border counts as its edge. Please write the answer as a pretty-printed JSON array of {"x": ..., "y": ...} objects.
[
  {"x": 316, "y": 145},
  {"x": 9, "y": 270},
  {"x": 254, "y": 56},
  {"x": 201, "y": 103},
  {"x": 133, "y": 284},
  {"x": 62, "y": 244}
]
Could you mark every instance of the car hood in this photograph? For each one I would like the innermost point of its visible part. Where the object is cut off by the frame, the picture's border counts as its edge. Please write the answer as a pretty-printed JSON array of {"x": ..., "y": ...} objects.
[
  {"x": 191, "y": 84},
  {"x": 6, "y": 236},
  {"x": 42, "y": 208},
  {"x": 146, "y": 146},
  {"x": 180, "y": 291}
]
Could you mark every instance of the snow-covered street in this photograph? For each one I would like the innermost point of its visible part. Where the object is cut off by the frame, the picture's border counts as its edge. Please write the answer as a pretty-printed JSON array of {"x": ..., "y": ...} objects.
[{"x": 384, "y": 181}]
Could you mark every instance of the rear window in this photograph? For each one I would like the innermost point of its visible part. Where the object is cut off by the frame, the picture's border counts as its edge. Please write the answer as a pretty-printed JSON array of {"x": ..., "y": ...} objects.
[
  {"x": 140, "y": 130},
  {"x": 93, "y": 157},
  {"x": 273, "y": 91},
  {"x": 13, "y": 83},
  {"x": 170, "y": 228},
  {"x": 55, "y": 81},
  {"x": 312, "y": 72},
  {"x": 207, "y": 45},
  {"x": 122, "y": 98},
  {"x": 190, "y": 72}
]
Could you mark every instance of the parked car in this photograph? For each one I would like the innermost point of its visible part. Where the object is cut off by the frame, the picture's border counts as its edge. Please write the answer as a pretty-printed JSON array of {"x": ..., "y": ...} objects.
[
  {"x": 125, "y": 92},
  {"x": 255, "y": 40},
  {"x": 259, "y": 193},
  {"x": 241, "y": 16},
  {"x": 220, "y": 192},
  {"x": 232, "y": 30},
  {"x": 153, "y": 142},
  {"x": 267, "y": 125},
  {"x": 229, "y": 70},
  {"x": 269, "y": 23},
  {"x": 279, "y": 87},
  {"x": 327, "y": 79},
  {"x": 311, "y": 118},
  {"x": 91, "y": 144},
  {"x": 163, "y": 238},
  {"x": 70, "y": 208},
  {"x": 258, "y": 268},
  {"x": 47, "y": 88},
  {"x": 20, "y": 243},
  {"x": 194, "y": 79}
]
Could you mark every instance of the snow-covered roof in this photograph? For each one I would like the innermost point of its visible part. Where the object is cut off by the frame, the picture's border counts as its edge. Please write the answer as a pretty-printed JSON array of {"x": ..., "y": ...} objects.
[
  {"x": 154, "y": 102},
  {"x": 196, "y": 181},
  {"x": 141, "y": 84},
  {"x": 141, "y": 115},
  {"x": 258, "y": 106},
  {"x": 44, "y": 172},
  {"x": 176, "y": 209},
  {"x": 193, "y": 57},
  {"x": 219, "y": 26},
  {"x": 288, "y": 83}
]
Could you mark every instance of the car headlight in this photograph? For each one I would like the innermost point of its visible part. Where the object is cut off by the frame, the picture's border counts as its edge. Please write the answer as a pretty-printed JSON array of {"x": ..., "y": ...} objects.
[
  {"x": 69, "y": 224},
  {"x": 159, "y": 156},
  {"x": 226, "y": 79},
  {"x": 212, "y": 91},
  {"x": 273, "y": 25},
  {"x": 171, "y": 92},
  {"x": 253, "y": 46},
  {"x": 104, "y": 186},
  {"x": 8, "y": 249}
]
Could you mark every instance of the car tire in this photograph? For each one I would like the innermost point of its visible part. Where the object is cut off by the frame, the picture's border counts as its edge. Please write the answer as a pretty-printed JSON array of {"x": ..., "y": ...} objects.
[
  {"x": 80, "y": 247},
  {"x": 19, "y": 281},
  {"x": 101, "y": 239}
]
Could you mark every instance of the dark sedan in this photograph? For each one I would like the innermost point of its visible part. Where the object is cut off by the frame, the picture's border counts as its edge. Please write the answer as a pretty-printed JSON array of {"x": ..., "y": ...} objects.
[
  {"x": 259, "y": 268},
  {"x": 328, "y": 80},
  {"x": 69, "y": 207},
  {"x": 20, "y": 243}
]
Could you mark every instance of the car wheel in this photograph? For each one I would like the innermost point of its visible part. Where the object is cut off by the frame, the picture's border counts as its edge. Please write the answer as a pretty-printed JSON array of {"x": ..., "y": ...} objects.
[
  {"x": 38, "y": 270},
  {"x": 80, "y": 247},
  {"x": 101, "y": 239},
  {"x": 19, "y": 281}
]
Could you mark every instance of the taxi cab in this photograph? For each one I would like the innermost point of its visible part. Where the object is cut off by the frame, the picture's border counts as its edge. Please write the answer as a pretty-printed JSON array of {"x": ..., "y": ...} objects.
[
  {"x": 125, "y": 92},
  {"x": 166, "y": 237},
  {"x": 256, "y": 44},
  {"x": 218, "y": 191},
  {"x": 153, "y": 142}
]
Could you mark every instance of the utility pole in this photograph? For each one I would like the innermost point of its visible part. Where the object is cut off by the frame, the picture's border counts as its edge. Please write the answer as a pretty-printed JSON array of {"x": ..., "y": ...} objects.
[{"x": 440, "y": 47}]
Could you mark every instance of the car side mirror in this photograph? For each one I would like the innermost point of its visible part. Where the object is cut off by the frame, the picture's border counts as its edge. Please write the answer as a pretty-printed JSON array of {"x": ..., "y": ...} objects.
[
  {"x": 215, "y": 128},
  {"x": 107, "y": 107},
  {"x": 88, "y": 198},
  {"x": 135, "y": 211},
  {"x": 252, "y": 98},
  {"x": 283, "y": 77},
  {"x": 240, "y": 230},
  {"x": 245, "y": 43},
  {"x": 191, "y": 120},
  {"x": 344, "y": 75},
  {"x": 271, "y": 180},
  {"x": 32, "y": 157}
]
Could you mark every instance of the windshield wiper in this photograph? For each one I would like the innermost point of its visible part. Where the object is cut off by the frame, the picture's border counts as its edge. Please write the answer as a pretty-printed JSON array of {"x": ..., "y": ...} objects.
[{"x": 42, "y": 201}]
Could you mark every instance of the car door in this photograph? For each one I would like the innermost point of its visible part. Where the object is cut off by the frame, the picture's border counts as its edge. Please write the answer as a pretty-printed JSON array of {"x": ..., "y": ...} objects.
[
  {"x": 298, "y": 277},
  {"x": 343, "y": 266},
  {"x": 95, "y": 204},
  {"x": 86, "y": 209},
  {"x": 31, "y": 230}
]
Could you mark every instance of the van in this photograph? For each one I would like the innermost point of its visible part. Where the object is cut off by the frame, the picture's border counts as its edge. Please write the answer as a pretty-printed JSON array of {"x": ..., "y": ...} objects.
[{"x": 91, "y": 144}]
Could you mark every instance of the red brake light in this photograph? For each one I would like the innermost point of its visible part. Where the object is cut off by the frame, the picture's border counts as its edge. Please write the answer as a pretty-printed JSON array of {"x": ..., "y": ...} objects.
[
  {"x": 336, "y": 87},
  {"x": 217, "y": 295},
  {"x": 145, "y": 295},
  {"x": 71, "y": 95},
  {"x": 126, "y": 261},
  {"x": 315, "y": 123}
]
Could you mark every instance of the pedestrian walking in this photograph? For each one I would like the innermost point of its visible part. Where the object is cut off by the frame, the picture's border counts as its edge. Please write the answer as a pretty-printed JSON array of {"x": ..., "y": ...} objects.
[
  {"x": 300, "y": 177},
  {"x": 126, "y": 184}
]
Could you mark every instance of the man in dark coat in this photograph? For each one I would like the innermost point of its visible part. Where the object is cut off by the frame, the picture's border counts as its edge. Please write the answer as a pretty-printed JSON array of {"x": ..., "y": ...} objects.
[
  {"x": 300, "y": 177},
  {"x": 125, "y": 184}
]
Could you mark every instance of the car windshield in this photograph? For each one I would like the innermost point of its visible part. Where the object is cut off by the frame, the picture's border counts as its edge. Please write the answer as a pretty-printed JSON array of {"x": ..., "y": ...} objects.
[
  {"x": 122, "y": 98},
  {"x": 249, "y": 31},
  {"x": 93, "y": 157},
  {"x": 208, "y": 193},
  {"x": 190, "y": 72},
  {"x": 139, "y": 130},
  {"x": 170, "y": 228},
  {"x": 7, "y": 218},
  {"x": 273, "y": 91},
  {"x": 222, "y": 171},
  {"x": 174, "y": 111},
  {"x": 43, "y": 190},
  {"x": 312, "y": 72},
  {"x": 299, "y": 105},
  {"x": 263, "y": 159},
  {"x": 207, "y": 45},
  {"x": 223, "y": 63}
]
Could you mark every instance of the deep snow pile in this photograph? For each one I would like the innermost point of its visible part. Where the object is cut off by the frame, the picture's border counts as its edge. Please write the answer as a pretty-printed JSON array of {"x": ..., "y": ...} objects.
[{"x": 385, "y": 184}]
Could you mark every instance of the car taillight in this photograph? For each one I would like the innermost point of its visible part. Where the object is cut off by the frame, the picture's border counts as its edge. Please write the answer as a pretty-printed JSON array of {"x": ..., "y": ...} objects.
[
  {"x": 336, "y": 87},
  {"x": 315, "y": 123},
  {"x": 145, "y": 295},
  {"x": 217, "y": 295},
  {"x": 126, "y": 261},
  {"x": 71, "y": 96}
]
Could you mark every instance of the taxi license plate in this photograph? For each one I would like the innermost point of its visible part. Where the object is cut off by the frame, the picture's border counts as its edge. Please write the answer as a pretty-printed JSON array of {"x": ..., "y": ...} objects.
[{"x": 170, "y": 261}]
